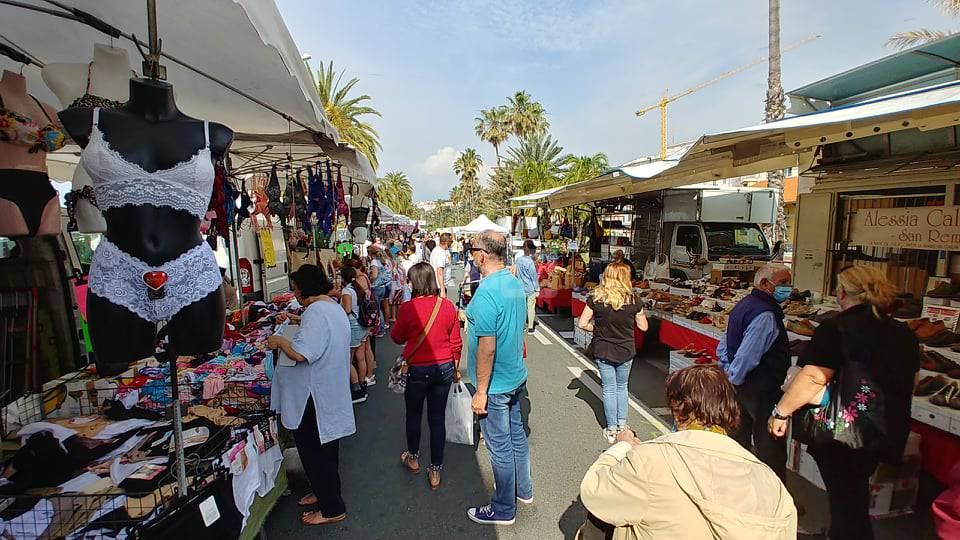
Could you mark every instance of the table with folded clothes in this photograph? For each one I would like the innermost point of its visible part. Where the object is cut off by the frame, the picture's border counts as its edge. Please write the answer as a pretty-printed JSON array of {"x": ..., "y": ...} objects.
[{"x": 96, "y": 455}]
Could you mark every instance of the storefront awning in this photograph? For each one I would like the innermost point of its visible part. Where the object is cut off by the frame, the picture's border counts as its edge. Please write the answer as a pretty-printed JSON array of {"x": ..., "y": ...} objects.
[
  {"x": 243, "y": 43},
  {"x": 771, "y": 146}
]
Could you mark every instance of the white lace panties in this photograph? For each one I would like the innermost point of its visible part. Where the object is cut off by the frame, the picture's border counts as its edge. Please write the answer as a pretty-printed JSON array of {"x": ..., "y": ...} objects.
[{"x": 155, "y": 293}]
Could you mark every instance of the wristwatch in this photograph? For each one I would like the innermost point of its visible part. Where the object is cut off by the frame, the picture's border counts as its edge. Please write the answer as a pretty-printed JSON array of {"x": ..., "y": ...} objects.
[{"x": 776, "y": 414}]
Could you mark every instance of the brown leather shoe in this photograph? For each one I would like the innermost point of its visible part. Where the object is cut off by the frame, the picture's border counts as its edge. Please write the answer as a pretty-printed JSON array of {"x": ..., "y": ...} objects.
[
  {"x": 929, "y": 330},
  {"x": 409, "y": 461},
  {"x": 917, "y": 323},
  {"x": 433, "y": 477}
]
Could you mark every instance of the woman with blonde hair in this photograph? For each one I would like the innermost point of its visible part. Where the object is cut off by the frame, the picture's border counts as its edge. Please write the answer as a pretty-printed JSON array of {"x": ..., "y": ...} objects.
[
  {"x": 611, "y": 313},
  {"x": 882, "y": 357}
]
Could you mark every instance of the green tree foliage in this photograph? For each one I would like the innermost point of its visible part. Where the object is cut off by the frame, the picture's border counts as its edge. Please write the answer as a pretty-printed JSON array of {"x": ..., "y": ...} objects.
[
  {"x": 395, "y": 191},
  {"x": 493, "y": 126},
  {"x": 912, "y": 38},
  {"x": 346, "y": 112}
]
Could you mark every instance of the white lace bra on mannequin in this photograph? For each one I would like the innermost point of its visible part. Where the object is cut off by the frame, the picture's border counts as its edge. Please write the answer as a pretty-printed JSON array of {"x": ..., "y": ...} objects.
[
  {"x": 155, "y": 293},
  {"x": 117, "y": 182}
]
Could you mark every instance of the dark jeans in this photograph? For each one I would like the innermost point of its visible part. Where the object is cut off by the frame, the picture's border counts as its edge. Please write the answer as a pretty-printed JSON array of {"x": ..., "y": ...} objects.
[
  {"x": 846, "y": 474},
  {"x": 431, "y": 383},
  {"x": 321, "y": 462},
  {"x": 753, "y": 434}
]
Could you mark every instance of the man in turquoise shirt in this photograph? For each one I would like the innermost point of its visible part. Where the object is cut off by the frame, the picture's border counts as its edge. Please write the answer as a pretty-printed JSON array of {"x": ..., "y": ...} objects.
[{"x": 496, "y": 317}]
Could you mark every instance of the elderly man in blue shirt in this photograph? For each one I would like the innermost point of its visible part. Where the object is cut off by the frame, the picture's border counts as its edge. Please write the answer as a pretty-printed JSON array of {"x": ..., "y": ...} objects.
[
  {"x": 755, "y": 353},
  {"x": 526, "y": 269}
]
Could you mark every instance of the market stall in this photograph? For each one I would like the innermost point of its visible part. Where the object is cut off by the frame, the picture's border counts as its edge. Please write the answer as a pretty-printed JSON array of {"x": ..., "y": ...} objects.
[{"x": 174, "y": 433}]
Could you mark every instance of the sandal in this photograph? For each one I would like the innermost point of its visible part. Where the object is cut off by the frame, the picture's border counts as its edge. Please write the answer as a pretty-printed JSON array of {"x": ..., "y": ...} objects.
[
  {"x": 433, "y": 476},
  {"x": 409, "y": 461},
  {"x": 323, "y": 520},
  {"x": 307, "y": 500},
  {"x": 942, "y": 397}
]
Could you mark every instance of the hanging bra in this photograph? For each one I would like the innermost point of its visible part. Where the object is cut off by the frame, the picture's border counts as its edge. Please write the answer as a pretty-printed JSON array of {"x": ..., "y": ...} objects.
[
  {"x": 18, "y": 129},
  {"x": 91, "y": 101},
  {"x": 186, "y": 186}
]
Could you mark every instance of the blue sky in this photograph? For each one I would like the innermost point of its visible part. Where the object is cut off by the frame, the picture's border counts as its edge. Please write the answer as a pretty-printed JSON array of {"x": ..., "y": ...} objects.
[{"x": 431, "y": 65}]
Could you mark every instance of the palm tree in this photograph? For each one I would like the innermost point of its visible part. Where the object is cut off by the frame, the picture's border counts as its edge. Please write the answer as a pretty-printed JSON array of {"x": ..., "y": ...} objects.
[
  {"x": 580, "y": 168},
  {"x": 493, "y": 126},
  {"x": 775, "y": 109},
  {"x": 905, "y": 40},
  {"x": 344, "y": 112},
  {"x": 527, "y": 117},
  {"x": 536, "y": 164},
  {"x": 395, "y": 191},
  {"x": 466, "y": 194}
]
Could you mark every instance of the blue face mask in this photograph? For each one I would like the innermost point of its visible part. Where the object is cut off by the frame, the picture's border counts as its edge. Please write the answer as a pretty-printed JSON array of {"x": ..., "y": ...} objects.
[{"x": 782, "y": 292}]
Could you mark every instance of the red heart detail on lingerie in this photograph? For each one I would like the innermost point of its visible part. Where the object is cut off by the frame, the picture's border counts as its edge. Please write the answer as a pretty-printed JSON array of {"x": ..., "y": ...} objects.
[{"x": 155, "y": 280}]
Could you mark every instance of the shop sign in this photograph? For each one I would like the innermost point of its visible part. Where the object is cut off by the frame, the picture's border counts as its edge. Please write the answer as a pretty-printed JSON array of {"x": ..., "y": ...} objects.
[{"x": 932, "y": 227}]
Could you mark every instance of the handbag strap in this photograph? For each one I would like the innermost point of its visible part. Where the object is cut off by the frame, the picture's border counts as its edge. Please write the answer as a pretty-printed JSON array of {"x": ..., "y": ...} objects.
[{"x": 426, "y": 329}]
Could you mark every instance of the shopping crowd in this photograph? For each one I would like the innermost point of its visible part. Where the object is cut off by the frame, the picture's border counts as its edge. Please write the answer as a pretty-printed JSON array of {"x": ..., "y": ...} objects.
[{"x": 719, "y": 474}]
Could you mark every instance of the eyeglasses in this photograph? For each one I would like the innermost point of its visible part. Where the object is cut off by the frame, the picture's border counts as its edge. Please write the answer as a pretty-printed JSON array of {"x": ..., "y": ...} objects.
[{"x": 478, "y": 249}]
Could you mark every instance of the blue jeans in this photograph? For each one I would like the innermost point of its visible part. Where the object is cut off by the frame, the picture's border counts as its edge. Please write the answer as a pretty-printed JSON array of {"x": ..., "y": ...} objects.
[
  {"x": 614, "y": 378},
  {"x": 509, "y": 453},
  {"x": 381, "y": 293},
  {"x": 433, "y": 384}
]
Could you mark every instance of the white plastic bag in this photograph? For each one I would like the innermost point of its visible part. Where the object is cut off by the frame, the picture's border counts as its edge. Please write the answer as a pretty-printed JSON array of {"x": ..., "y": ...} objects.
[
  {"x": 655, "y": 269},
  {"x": 459, "y": 415}
]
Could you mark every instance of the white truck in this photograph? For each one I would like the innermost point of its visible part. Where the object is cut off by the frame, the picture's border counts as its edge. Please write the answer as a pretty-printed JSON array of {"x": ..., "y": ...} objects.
[{"x": 693, "y": 228}]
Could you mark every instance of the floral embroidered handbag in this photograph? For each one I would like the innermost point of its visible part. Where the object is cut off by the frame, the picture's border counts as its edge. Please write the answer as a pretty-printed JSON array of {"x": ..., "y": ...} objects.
[{"x": 854, "y": 414}]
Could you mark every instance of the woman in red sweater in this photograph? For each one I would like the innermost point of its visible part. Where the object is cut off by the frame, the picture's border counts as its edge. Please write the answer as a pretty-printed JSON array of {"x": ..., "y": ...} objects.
[{"x": 433, "y": 365}]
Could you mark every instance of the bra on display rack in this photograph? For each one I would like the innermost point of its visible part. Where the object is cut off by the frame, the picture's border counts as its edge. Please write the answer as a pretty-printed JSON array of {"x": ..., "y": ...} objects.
[
  {"x": 155, "y": 293},
  {"x": 92, "y": 101},
  {"x": 18, "y": 129}
]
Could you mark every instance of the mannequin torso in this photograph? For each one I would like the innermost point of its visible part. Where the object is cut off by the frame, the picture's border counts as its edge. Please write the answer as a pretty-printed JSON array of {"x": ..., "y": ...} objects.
[
  {"x": 150, "y": 133},
  {"x": 109, "y": 76},
  {"x": 13, "y": 91}
]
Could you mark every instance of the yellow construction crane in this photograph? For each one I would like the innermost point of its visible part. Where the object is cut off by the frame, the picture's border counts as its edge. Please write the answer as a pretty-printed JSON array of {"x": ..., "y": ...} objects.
[{"x": 665, "y": 100}]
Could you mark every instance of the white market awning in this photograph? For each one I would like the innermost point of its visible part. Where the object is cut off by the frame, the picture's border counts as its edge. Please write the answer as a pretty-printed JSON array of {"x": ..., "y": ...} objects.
[
  {"x": 771, "y": 146},
  {"x": 243, "y": 43},
  {"x": 480, "y": 224}
]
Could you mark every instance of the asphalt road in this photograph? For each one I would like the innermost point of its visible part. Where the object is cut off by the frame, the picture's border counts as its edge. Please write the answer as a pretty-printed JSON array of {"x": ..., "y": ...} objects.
[{"x": 564, "y": 416}]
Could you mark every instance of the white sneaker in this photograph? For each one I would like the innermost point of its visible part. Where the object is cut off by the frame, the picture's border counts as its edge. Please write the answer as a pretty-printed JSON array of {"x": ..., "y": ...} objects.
[
  {"x": 525, "y": 501},
  {"x": 610, "y": 435},
  {"x": 371, "y": 380}
]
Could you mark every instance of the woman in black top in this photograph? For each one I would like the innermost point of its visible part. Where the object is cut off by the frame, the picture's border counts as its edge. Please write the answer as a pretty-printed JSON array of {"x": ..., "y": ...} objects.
[
  {"x": 611, "y": 313},
  {"x": 893, "y": 359}
]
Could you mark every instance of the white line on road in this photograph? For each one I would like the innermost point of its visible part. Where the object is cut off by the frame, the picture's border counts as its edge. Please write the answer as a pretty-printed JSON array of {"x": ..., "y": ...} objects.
[
  {"x": 540, "y": 338},
  {"x": 647, "y": 415}
]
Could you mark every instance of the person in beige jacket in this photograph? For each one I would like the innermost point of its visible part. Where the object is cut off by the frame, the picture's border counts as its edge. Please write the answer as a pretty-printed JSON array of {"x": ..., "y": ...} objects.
[{"x": 696, "y": 483}]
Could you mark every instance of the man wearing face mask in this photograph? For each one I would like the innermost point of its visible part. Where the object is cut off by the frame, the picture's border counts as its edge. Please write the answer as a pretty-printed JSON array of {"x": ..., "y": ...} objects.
[{"x": 755, "y": 353}]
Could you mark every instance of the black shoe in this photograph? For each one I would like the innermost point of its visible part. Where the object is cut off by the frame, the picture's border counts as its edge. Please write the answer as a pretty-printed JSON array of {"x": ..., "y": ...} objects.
[
  {"x": 359, "y": 396},
  {"x": 530, "y": 330}
]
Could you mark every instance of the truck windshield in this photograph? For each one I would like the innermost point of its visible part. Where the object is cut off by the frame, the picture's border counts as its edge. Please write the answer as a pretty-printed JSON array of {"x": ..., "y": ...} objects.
[{"x": 739, "y": 239}]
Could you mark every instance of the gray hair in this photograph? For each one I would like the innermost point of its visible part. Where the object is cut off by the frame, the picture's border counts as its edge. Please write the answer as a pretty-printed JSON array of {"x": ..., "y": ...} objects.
[
  {"x": 493, "y": 243},
  {"x": 767, "y": 272}
]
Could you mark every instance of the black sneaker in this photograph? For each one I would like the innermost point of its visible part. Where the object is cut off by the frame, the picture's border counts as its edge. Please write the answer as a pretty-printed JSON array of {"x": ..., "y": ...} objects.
[
  {"x": 359, "y": 396},
  {"x": 530, "y": 330}
]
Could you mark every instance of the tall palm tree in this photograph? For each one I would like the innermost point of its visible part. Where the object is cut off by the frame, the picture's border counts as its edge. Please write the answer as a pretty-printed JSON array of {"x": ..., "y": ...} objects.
[
  {"x": 536, "y": 164},
  {"x": 345, "y": 112},
  {"x": 580, "y": 168},
  {"x": 905, "y": 40},
  {"x": 395, "y": 191},
  {"x": 466, "y": 194},
  {"x": 493, "y": 126},
  {"x": 527, "y": 117},
  {"x": 775, "y": 109}
]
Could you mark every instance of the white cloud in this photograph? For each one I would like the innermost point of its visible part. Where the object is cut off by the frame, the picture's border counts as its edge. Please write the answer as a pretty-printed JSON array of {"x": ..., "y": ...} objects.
[{"x": 440, "y": 162}]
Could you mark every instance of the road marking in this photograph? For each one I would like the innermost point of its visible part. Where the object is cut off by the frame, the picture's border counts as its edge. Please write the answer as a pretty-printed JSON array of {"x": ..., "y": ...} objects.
[
  {"x": 567, "y": 335},
  {"x": 636, "y": 405},
  {"x": 540, "y": 338}
]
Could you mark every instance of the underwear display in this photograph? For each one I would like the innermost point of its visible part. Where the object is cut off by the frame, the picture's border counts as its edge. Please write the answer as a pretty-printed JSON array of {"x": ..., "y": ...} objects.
[
  {"x": 36, "y": 199},
  {"x": 18, "y": 129},
  {"x": 117, "y": 182},
  {"x": 155, "y": 293},
  {"x": 90, "y": 101},
  {"x": 129, "y": 282}
]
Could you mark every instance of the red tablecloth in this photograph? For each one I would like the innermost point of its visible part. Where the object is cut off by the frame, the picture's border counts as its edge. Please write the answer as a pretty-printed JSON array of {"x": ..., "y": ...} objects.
[
  {"x": 939, "y": 450},
  {"x": 553, "y": 299},
  {"x": 576, "y": 306},
  {"x": 678, "y": 337}
]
